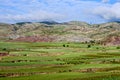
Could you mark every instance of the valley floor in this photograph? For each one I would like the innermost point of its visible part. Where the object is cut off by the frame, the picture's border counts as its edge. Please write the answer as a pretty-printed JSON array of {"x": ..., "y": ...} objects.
[{"x": 58, "y": 61}]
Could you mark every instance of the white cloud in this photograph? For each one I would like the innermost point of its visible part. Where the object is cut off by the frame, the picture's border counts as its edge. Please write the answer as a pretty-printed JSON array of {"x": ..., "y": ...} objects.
[
  {"x": 32, "y": 16},
  {"x": 25, "y": 10},
  {"x": 38, "y": 10},
  {"x": 109, "y": 12}
]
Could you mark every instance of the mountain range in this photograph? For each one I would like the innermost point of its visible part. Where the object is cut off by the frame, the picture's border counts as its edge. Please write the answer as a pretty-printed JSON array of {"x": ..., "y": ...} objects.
[{"x": 51, "y": 31}]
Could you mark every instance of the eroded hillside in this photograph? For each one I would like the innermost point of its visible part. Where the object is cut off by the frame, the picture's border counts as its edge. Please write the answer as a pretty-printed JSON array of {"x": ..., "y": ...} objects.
[{"x": 73, "y": 31}]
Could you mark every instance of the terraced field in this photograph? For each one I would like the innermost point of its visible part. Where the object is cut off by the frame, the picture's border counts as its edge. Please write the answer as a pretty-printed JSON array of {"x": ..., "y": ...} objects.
[{"x": 58, "y": 61}]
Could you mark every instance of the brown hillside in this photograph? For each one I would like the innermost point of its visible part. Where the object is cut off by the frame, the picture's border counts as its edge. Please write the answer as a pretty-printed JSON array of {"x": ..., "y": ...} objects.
[
  {"x": 112, "y": 40},
  {"x": 33, "y": 39}
]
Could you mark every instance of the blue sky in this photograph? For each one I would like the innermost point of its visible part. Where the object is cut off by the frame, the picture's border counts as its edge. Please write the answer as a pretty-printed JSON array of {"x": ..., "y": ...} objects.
[{"x": 91, "y": 11}]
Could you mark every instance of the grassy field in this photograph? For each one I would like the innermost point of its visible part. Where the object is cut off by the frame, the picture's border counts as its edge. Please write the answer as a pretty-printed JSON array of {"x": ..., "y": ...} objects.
[{"x": 58, "y": 61}]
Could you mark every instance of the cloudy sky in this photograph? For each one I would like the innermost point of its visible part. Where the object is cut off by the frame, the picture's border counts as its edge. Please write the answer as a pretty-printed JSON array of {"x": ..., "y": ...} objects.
[{"x": 91, "y": 11}]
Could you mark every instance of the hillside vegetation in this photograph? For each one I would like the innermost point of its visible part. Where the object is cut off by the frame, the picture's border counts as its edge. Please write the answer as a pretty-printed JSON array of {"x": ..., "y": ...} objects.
[{"x": 74, "y": 31}]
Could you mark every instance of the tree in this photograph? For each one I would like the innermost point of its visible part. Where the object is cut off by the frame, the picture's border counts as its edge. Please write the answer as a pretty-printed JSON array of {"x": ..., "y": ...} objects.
[
  {"x": 63, "y": 45},
  {"x": 118, "y": 47},
  {"x": 67, "y": 45},
  {"x": 89, "y": 46}
]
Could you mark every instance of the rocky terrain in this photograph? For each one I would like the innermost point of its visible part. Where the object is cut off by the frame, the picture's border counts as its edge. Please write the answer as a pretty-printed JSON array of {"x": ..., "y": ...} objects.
[{"x": 51, "y": 31}]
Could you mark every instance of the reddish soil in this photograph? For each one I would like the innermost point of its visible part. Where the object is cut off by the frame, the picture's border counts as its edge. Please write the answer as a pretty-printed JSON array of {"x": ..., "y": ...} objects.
[
  {"x": 112, "y": 40},
  {"x": 34, "y": 39},
  {"x": 4, "y": 54}
]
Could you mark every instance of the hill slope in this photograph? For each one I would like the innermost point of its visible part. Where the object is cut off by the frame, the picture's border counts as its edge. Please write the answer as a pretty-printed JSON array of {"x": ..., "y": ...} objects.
[{"x": 73, "y": 31}]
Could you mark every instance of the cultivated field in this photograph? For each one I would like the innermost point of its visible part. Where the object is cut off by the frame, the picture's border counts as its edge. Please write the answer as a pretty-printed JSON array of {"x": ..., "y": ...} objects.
[{"x": 58, "y": 61}]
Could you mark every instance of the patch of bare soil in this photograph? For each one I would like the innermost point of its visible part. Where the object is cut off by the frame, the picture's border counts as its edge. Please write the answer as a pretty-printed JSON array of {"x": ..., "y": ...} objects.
[
  {"x": 34, "y": 39},
  {"x": 112, "y": 40},
  {"x": 4, "y": 54},
  {"x": 52, "y": 54}
]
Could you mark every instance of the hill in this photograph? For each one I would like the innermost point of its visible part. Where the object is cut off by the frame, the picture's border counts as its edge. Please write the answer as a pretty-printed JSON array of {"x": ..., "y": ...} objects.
[{"x": 49, "y": 31}]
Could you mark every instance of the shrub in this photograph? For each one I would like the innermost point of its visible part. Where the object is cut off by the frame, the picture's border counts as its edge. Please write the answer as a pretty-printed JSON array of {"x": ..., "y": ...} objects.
[
  {"x": 24, "y": 54},
  {"x": 4, "y": 49},
  {"x": 97, "y": 47},
  {"x": 67, "y": 45},
  {"x": 70, "y": 70},
  {"x": 89, "y": 46},
  {"x": 92, "y": 41},
  {"x": 63, "y": 45},
  {"x": 118, "y": 47}
]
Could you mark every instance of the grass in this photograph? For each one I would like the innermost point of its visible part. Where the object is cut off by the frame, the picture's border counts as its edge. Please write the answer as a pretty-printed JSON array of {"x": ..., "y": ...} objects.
[
  {"x": 53, "y": 61},
  {"x": 66, "y": 76}
]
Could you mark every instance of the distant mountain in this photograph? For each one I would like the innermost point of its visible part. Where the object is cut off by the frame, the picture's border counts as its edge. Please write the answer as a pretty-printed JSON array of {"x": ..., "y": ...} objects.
[
  {"x": 49, "y": 22},
  {"x": 77, "y": 23},
  {"x": 43, "y": 22},
  {"x": 73, "y": 31},
  {"x": 117, "y": 21},
  {"x": 22, "y": 23}
]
